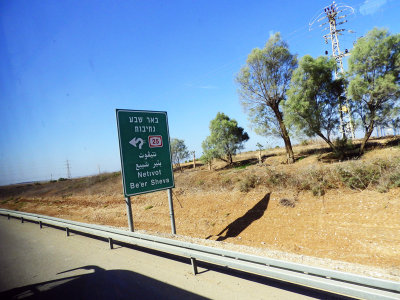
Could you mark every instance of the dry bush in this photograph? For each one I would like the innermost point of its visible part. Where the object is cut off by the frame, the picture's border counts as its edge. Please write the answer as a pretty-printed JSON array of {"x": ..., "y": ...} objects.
[
  {"x": 359, "y": 176},
  {"x": 316, "y": 180},
  {"x": 227, "y": 182},
  {"x": 379, "y": 174},
  {"x": 249, "y": 182},
  {"x": 287, "y": 202},
  {"x": 277, "y": 178}
]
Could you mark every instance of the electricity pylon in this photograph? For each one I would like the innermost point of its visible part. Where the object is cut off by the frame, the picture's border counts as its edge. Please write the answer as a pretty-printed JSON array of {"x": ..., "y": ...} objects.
[
  {"x": 331, "y": 14},
  {"x": 68, "y": 169}
]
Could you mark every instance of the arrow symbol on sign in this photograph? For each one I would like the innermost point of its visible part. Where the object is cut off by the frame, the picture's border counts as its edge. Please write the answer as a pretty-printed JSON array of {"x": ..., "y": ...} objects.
[{"x": 134, "y": 142}]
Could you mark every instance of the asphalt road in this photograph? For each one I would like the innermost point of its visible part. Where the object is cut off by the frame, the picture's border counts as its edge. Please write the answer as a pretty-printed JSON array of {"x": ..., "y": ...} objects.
[{"x": 46, "y": 264}]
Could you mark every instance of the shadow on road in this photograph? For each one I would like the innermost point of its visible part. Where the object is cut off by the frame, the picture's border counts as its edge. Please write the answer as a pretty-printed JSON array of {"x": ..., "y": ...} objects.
[
  {"x": 240, "y": 224},
  {"x": 99, "y": 285}
]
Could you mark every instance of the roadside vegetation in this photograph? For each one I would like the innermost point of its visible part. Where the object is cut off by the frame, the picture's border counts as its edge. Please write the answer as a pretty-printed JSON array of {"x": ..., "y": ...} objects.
[
  {"x": 314, "y": 171},
  {"x": 378, "y": 174}
]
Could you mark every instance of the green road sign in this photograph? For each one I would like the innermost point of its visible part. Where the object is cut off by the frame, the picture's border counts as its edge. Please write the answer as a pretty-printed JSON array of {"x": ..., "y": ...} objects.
[{"x": 145, "y": 151}]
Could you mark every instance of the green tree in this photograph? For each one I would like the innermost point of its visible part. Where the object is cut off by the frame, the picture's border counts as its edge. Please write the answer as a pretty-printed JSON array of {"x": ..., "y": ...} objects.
[
  {"x": 263, "y": 83},
  {"x": 225, "y": 139},
  {"x": 374, "y": 68},
  {"x": 313, "y": 98},
  {"x": 179, "y": 151},
  {"x": 209, "y": 152}
]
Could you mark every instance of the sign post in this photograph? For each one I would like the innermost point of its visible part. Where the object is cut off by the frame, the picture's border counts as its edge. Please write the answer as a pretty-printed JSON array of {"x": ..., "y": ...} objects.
[
  {"x": 145, "y": 154},
  {"x": 129, "y": 212},
  {"x": 171, "y": 211}
]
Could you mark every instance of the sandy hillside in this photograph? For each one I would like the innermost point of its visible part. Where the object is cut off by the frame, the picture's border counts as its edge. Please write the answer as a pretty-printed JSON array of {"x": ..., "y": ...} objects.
[{"x": 313, "y": 208}]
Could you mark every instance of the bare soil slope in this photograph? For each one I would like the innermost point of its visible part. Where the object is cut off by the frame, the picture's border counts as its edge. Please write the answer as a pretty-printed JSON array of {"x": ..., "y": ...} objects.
[{"x": 309, "y": 208}]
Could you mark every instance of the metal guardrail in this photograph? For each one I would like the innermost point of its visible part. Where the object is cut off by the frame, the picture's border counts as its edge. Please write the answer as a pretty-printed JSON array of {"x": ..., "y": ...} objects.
[{"x": 332, "y": 281}]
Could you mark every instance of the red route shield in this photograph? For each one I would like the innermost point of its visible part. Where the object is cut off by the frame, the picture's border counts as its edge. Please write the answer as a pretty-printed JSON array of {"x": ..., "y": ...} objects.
[{"x": 155, "y": 141}]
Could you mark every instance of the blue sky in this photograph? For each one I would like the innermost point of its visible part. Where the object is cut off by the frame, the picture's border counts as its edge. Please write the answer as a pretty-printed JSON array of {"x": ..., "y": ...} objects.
[{"x": 65, "y": 66}]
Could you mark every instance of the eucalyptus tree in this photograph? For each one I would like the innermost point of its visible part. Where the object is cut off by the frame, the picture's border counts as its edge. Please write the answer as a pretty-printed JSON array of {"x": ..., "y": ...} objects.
[
  {"x": 209, "y": 152},
  {"x": 263, "y": 83},
  {"x": 179, "y": 151},
  {"x": 313, "y": 98},
  {"x": 374, "y": 69}
]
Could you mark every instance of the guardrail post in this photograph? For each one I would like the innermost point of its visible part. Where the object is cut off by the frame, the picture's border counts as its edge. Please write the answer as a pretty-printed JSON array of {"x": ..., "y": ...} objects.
[
  {"x": 194, "y": 265},
  {"x": 67, "y": 230},
  {"x": 40, "y": 224},
  {"x": 8, "y": 217},
  {"x": 22, "y": 220},
  {"x": 111, "y": 243}
]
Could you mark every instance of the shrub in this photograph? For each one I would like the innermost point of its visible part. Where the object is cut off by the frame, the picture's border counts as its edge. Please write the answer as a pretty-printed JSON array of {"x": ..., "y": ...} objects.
[
  {"x": 395, "y": 179},
  {"x": 275, "y": 178},
  {"x": 390, "y": 176},
  {"x": 249, "y": 182},
  {"x": 287, "y": 202},
  {"x": 305, "y": 143},
  {"x": 344, "y": 145},
  {"x": 383, "y": 188},
  {"x": 320, "y": 180},
  {"x": 359, "y": 177},
  {"x": 318, "y": 190},
  {"x": 226, "y": 182},
  {"x": 242, "y": 167},
  {"x": 384, "y": 165},
  {"x": 381, "y": 175}
]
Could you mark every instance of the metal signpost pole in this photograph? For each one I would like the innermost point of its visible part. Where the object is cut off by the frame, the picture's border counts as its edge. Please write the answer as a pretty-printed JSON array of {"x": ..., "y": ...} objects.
[
  {"x": 129, "y": 212},
  {"x": 171, "y": 211}
]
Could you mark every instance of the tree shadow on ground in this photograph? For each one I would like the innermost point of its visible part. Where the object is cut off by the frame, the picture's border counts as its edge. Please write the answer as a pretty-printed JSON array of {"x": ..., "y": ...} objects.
[
  {"x": 309, "y": 152},
  {"x": 240, "y": 224},
  {"x": 244, "y": 162},
  {"x": 391, "y": 141},
  {"x": 238, "y": 164},
  {"x": 177, "y": 168},
  {"x": 326, "y": 155},
  {"x": 100, "y": 285},
  {"x": 373, "y": 143}
]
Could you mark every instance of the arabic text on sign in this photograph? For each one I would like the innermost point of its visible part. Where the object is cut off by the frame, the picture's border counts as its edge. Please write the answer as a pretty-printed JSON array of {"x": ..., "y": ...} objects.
[{"x": 148, "y": 155}]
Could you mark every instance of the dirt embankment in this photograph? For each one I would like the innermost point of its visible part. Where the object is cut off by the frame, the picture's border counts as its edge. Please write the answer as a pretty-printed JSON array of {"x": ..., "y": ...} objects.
[{"x": 348, "y": 211}]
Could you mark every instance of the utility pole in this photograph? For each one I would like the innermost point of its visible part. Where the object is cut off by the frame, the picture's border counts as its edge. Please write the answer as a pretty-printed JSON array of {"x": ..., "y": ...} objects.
[
  {"x": 331, "y": 14},
  {"x": 68, "y": 170}
]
